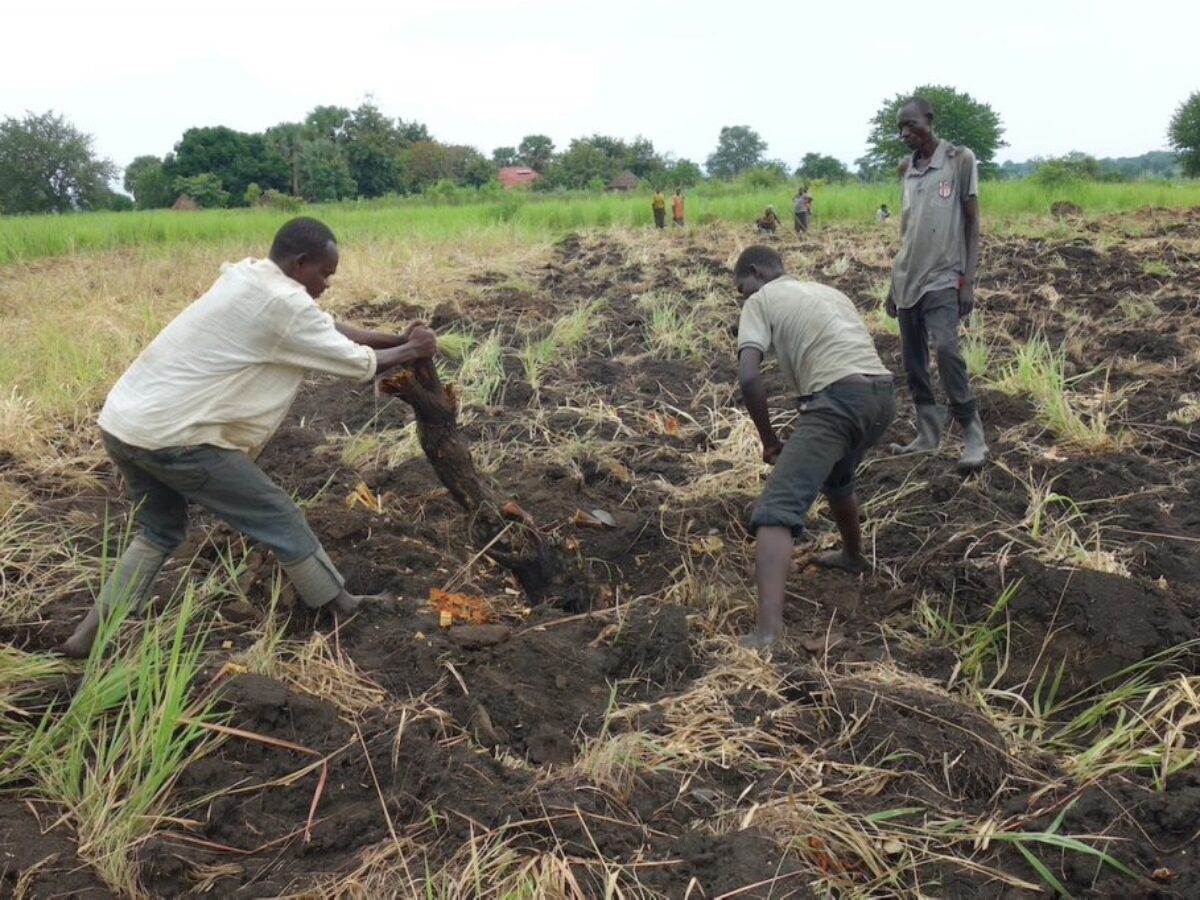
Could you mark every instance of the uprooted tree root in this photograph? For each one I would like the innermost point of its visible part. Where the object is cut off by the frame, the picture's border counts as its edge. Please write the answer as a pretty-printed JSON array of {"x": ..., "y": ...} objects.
[{"x": 542, "y": 563}]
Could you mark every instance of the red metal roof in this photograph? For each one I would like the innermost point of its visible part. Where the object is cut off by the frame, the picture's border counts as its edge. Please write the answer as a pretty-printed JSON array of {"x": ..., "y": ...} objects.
[{"x": 515, "y": 176}]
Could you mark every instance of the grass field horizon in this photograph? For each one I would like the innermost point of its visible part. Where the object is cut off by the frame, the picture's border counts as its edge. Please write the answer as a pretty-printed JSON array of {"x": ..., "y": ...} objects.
[{"x": 545, "y": 216}]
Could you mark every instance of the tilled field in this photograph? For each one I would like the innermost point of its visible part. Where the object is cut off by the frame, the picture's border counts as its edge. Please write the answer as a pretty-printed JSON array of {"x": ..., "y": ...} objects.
[{"x": 1006, "y": 706}]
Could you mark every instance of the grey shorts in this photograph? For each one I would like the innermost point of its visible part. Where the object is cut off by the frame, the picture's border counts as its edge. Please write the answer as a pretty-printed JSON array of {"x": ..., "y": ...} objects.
[
  {"x": 162, "y": 484},
  {"x": 835, "y": 430}
]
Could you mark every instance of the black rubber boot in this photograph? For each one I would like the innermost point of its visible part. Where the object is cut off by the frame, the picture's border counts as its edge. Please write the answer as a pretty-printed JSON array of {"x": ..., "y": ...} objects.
[
  {"x": 931, "y": 421},
  {"x": 975, "y": 449}
]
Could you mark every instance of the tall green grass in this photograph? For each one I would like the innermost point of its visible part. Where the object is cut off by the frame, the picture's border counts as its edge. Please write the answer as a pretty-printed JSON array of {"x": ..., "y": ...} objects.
[
  {"x": 110, "y": 758},
  {"x": 539, "y": 216}
]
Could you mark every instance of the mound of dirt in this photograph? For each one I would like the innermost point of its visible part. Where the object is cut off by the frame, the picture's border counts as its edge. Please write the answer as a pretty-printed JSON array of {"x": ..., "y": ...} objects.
[{"x": 939, "y": 747}]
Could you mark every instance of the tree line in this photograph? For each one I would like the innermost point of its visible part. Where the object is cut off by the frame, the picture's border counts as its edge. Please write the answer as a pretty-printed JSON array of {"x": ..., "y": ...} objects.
[{"x": 338, "y": 153}]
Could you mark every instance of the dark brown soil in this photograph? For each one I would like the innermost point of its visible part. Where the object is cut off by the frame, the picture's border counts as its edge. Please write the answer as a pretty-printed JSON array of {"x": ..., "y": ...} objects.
[{"x": 483, "y": 723}]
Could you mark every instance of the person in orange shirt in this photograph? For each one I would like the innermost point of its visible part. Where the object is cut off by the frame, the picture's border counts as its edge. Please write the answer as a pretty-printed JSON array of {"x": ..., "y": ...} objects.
[{"x": 677, "y": 207}]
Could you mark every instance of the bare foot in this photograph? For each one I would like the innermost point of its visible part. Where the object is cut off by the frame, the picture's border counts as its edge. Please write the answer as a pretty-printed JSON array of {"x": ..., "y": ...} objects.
[
  {"x": 847, "y": 562},
  {"x": 760, "y": 640}
]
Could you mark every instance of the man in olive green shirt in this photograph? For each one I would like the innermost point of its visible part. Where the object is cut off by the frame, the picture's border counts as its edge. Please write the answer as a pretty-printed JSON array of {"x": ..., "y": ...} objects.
[
  {"x": 933, "y": 279},
  {"x": 846, "y": 401}
]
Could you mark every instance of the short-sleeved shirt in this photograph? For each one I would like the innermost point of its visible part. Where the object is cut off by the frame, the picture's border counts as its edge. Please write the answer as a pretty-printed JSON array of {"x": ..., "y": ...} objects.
[
  {"x": 933, "y": 249},
  {"x": 677, "y": 206},
  {"x": 814, "y": 330},
  {"x": 226, "y": 370},
  {"x": 659, "y": 201}
]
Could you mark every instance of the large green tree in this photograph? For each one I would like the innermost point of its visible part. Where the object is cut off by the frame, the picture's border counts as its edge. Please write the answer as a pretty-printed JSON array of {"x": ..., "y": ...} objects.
[
  {"x": 426, "y": 163},
  {"x": 473, "y": 168},
  {"x": 1185, "y": 134},
  {"x": 681, "y": 173},
  {"x": 327, "y": 121},
  {"x": 958, "y": 117},
  {"x": 286, "y": 140},
  {"x": 505, "y": 156},
  {"x": 643, "y": 160},
  {"x": 324, "y": 173},
  {"x": 739, "y": 148},
  {"x": 536, "y": 151},
  {"x": 149, "y": 183},
  {"x": 412, "y": 132},
  {"x": 585, "y": 162},
  {"x": 48, "y": 165},
  {"x": 372, "y": 143},
  {"x": 815, "y": 166},
  {"x": 237, "y": 158}
]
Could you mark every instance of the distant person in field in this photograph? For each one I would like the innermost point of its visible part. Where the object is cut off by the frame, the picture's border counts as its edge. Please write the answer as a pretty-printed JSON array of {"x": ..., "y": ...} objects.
[
  {"x": 185, "y": 421},
  {"x": 677, "y": 208},
  {"x": 933, "y": 279},
  {"x": 659, "y": 204},
  {"x": 802, "y": 209},
  {"x": 769, "y": 221},
  {"x": 846, "y": 399},
  {"x": 883, "y": 214}
]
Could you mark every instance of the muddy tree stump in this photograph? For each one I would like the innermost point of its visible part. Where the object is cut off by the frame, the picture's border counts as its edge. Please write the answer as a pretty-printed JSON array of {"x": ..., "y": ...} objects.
[{"x": 545, "y": 568}]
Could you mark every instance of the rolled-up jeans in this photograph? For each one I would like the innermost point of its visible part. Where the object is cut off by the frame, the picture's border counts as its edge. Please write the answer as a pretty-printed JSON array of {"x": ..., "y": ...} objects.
[{"x": 163, "y": 483}]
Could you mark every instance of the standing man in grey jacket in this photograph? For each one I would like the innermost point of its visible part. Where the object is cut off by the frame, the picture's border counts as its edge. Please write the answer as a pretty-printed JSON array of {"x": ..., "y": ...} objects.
[{"x": 933, "y": 279}]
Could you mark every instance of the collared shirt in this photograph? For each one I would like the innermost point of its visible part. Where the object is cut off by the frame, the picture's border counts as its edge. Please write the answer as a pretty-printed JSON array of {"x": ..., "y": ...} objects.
[
  {"x": 933, "y": 248},
  {"x": 226, "y": 370},
  {"x": 814, "y": 330}
]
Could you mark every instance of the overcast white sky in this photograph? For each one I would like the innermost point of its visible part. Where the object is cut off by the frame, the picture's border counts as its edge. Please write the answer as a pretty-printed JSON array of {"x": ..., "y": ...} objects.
[{"x": 1103, "y": 77}]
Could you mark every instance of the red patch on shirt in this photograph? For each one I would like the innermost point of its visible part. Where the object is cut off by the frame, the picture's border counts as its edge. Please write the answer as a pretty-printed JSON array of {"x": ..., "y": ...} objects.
[{"x": 945, "y": 189}]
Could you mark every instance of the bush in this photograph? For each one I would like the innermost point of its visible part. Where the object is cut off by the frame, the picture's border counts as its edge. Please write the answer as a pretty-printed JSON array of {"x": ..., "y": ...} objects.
[
  {"x": 205, "y": 190},
  {"x": 763, "y": 177},
  {"x": 278, "y": 200},
  {"x": 1066, "y": 169},
  {"x": 253, "y": 194}
]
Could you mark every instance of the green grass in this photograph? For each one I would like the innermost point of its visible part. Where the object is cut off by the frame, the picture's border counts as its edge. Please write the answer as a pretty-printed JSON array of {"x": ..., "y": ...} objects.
[
  {"x": 1039, "y": 371},
  {"x": 481, "y": 373},
  {"x": 977, "y": 352},
  {"x": 110, "y": 758},
  {"x": 538, "y": 216},
  {"x": 566, "y": 336}
]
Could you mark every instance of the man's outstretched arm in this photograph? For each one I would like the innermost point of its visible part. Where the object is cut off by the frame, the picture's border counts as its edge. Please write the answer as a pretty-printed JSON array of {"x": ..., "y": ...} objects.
[
  {"x": 754, "y": 395},
  {"x": 376, "y": 340}
]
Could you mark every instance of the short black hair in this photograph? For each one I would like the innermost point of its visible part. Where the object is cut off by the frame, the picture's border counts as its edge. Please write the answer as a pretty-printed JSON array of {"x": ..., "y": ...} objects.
[
  {"x": 764, "y": 259},
  {"x": 302, "y": 236},
  {"x": 924, "y": 107}
]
